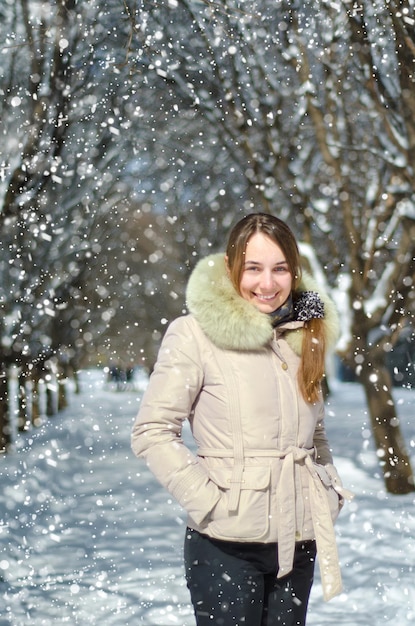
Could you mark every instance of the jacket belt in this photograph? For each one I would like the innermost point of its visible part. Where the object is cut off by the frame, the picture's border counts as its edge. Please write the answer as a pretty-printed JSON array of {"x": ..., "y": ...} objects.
[
  {"x": 319, "y": 506},
  {"x": 227, "y": 453},
  {"x": 322, "y": 522}
]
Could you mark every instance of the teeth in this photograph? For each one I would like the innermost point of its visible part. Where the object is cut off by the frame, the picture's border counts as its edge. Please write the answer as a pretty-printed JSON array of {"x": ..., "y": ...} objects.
[{"x": 258, "y": 295}]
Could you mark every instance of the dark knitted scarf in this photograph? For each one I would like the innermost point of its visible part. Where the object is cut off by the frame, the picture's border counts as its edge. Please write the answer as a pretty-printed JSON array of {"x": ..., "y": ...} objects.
[{"x": 306, "y": 306}]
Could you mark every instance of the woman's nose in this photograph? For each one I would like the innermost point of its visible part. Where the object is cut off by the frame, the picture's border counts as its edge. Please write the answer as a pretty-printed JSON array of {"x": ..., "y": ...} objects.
[{"x": 267, "y": 280}]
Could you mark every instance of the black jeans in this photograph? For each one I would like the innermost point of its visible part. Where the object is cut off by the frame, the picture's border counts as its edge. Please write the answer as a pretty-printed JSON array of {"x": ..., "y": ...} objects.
[{"x": 235, "y": 584}]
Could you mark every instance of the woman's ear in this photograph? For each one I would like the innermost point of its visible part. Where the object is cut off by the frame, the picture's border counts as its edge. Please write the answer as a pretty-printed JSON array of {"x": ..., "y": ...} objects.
[{"x": 228, "y": 271}]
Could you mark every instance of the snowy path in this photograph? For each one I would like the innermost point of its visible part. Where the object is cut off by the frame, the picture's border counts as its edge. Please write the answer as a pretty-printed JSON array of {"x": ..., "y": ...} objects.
[{"x": 88, "y": 537}]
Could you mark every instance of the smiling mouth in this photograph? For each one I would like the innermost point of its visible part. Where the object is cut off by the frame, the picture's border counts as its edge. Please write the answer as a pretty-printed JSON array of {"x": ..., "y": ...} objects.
[{"x": 260, "y": 296}]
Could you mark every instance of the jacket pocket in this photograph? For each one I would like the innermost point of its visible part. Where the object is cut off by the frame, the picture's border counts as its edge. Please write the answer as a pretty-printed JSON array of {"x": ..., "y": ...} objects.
[
  {"x": 250, "y": 521},
  {"x": 334, "y": 498}
]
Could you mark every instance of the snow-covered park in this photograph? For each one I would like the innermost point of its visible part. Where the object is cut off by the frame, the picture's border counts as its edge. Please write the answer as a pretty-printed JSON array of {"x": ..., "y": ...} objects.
[{"x": 87, "y": 536}]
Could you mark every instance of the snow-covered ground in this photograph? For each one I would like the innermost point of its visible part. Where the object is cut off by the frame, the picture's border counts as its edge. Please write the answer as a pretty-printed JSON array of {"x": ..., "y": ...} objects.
[{"x": 87, "y": 536}]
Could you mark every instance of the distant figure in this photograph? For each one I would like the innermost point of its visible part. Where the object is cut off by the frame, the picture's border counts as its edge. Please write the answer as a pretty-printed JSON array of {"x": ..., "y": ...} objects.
[
  {"x": 245, "y": 368},
  {"x": 117, "y": 375},
  {"x": 129, "y": 377}
]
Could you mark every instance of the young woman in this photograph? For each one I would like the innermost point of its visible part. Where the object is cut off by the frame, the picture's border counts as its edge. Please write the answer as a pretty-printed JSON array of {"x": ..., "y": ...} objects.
[{"x": 261, "y": 493}]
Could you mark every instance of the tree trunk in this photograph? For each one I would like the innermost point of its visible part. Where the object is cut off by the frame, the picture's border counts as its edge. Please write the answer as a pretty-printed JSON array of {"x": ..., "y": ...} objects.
[
  {"x": 5, "y": 426},
  {"x": 22, "y": 417},
  {"x": 390, "y": 446},
  {"x": 51, "y": 398},
  {"x": 76, "y": 380},
  {"x": 35, "y": 404},
  {"x": 62, "y": 396},
  {"x": 62, "y": 379}
]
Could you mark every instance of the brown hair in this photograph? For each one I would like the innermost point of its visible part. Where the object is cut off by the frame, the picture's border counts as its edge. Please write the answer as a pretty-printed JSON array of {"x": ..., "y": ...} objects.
[{"x": 312, "y": 363}]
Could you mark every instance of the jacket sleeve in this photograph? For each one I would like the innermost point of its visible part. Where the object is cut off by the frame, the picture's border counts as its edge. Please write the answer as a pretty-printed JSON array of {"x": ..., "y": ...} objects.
[
  {"x": 324, "y": 457},
  {"x": 157, "y": 433},
  {"x": 321, "y": 444}
]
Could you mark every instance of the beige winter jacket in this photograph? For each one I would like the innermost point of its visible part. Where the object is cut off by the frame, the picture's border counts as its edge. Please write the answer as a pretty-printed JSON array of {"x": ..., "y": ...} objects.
[{"x": 263, "y": 470}]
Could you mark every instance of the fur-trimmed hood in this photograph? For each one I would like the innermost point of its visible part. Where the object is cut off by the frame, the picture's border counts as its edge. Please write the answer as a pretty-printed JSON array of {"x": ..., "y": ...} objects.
[{"x": 233, "y": 323}]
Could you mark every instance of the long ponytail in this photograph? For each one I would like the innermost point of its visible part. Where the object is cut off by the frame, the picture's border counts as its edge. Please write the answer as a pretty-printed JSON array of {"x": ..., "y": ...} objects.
[{"x": 312, "y": 365}]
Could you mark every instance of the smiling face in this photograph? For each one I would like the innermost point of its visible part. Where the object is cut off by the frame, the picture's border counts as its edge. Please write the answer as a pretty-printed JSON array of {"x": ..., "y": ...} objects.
[{"x": 266, "y": 280}]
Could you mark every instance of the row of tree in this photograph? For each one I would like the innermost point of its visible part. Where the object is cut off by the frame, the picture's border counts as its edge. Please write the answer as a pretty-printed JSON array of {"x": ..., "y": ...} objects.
[
  {"x": 135, "y": 133},
  {"x": 307, "y": 110},
  {"x": 60, "y": 166}
]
